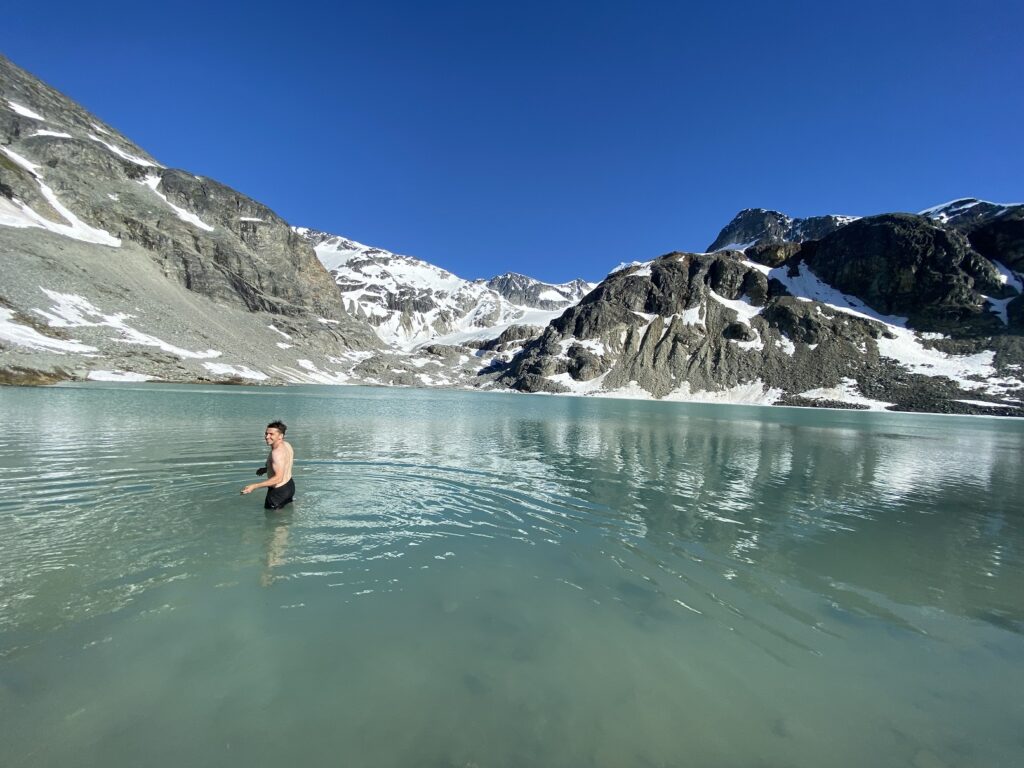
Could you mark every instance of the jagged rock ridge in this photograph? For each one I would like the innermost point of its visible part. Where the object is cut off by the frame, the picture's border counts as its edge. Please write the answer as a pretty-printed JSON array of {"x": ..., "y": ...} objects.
[
  {"x": 756, "y": 226},
  {"x": 888, "y": 311}
]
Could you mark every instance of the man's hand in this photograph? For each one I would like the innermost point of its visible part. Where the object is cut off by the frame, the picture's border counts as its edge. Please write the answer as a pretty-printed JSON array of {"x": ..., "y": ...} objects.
[
  {"x": 248, "y": 489},
  {"x": 261, "y": 471}
]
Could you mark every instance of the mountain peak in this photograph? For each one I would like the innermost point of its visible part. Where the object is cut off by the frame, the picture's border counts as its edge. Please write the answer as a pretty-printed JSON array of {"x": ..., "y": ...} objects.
[
  {"x": 411, "y": 302},
  {"x": 967, "y": 212},
  {"x": 756, "y": 226}
]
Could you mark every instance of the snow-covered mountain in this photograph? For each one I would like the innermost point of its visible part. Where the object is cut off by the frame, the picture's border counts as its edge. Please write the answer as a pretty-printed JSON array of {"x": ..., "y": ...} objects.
[
  {"x": 411, "y": 302},
  {"x": 900, "y": 311}
]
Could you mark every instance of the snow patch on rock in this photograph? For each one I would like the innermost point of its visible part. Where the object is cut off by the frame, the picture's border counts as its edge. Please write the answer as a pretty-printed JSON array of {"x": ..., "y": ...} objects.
[
  {"x": 122, "y": 154},
  {"x": 900, "y": 343},
  {"x": 15, "y": 213},
  {"x": 72, "y": 311},
  {"x": 223, "y": 369},
  {"x": 25, "y": 111},
  {"x": 122, "y": 376},
  {"x": 26, "y": 336},
  {"x": 751, "y": 393},
  {"x": 153, "y": 182},
  {"x": 845, "y": 392}
]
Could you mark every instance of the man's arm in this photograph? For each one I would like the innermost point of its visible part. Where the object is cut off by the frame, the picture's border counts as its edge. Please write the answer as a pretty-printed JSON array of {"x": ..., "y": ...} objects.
[
  {"x": 276, "y": 456},
  {"x": 265, "y": 484}
]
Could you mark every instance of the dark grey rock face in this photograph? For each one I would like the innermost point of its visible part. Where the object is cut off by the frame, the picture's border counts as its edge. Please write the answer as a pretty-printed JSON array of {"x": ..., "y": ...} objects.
[
  {"x": 801, "y": 330},
  {"x": 900, "y": 264},
  {"x": 679, "y": 325},
  {"x": 511, "y": 337},
  {"x": 757, "y": 226},
  {"x": 967, "y": 213},
  {"x": 1001, "y": 238},
  {"x": 815, "y": 227},
  {"x": 995, "y": 231},
  {"x": 752, "y": 225},
  {"x": 257, "y": 256},
  {"x": 772, "y": 254}
]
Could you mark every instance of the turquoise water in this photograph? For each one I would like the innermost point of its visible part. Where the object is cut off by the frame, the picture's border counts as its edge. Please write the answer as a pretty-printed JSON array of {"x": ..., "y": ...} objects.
[{"x": 472, "y": 579}]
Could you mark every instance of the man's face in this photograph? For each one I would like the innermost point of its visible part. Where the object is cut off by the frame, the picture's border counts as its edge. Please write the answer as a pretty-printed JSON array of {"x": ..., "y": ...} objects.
[{"x": 272, "y": 435}]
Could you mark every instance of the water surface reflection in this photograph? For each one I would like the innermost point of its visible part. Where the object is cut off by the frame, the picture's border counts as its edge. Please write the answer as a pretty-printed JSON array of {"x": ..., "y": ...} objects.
[{"x": 474, "y": 579}]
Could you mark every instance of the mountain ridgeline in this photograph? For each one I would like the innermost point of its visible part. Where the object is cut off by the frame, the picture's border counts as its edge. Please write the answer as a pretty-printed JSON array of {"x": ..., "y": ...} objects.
[
  {"x": 113, "y": 262},
  {"x": 913, "y": 312},
  {"x": 411, "y": 302},
  {"x": 117, "y": 268}
]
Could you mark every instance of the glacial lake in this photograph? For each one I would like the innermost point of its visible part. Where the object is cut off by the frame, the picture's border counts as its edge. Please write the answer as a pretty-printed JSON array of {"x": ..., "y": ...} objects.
[{"x": 469, "y": 580}]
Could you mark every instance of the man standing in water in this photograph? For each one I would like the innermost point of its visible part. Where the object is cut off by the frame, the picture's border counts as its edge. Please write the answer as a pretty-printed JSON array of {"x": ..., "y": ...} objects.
[{"x": 279, "y": 484}]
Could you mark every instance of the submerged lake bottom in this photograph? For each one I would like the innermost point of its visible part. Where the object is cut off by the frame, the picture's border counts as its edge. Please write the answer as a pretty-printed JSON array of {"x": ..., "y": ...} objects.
[{"x": 472, "y": 580}]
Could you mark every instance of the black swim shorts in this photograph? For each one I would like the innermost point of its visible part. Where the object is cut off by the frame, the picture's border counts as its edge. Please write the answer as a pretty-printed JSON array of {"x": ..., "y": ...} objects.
[{"x": 278, "y": 497}]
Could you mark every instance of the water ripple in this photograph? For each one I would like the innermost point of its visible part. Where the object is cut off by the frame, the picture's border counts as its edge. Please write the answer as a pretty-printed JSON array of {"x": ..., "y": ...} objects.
[{"x": 547, "y": 561}]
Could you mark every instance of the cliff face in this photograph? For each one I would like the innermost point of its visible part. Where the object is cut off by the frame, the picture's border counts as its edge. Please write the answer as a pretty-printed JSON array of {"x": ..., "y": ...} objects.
[
  {"x": 888, "y": 311},
  {"x": 1001, "y": 238},
  {"x": 906, "y": 265},
  {"x": 85, "y": 213},
  {"x": 753, "y": 226}
]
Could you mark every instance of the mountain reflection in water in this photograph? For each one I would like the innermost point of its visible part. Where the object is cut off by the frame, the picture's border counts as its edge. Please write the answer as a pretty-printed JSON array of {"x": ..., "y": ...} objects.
[{"x": 496, "y": 580}]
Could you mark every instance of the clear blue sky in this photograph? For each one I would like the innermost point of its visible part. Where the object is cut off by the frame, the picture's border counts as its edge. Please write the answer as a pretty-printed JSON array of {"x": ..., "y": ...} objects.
[{"x": 552, "y": 138}]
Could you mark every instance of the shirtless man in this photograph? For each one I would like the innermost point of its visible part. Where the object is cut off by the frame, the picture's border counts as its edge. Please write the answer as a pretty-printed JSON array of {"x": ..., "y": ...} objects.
[{"x": 279, "y": 484}]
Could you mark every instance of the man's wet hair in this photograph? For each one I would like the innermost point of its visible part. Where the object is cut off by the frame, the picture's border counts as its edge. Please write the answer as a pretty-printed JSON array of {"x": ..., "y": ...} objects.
[{"x": 280, "y": 426}]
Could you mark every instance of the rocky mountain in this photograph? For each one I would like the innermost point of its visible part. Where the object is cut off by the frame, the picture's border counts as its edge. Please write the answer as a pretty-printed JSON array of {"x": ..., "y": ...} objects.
[
  {"x": 895, "y": 311},
  {"x": 994, "y": 231},
  {"x": 534, "y": 294},
  {"x": 118, "y": 267},
  {"x": 967, "y": 213},
  {"x": 758, "y": 226},
  {"x": 969, "y": 216},
  {"x": 412, "y": 302}
]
